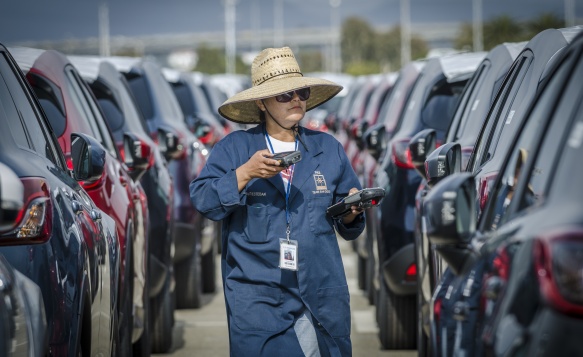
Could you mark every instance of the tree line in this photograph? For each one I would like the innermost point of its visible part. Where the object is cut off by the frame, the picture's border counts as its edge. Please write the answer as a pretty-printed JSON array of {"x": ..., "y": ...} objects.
[{"x": 365, "y": 50}]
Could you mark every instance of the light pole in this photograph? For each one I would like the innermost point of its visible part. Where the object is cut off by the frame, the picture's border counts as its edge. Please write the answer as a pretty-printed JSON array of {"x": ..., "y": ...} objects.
[
  {"x": 278, "y": 23},
  {"x": 569, "y": 13},
  {"x": 335, "y": 59},
  {"x": 478, "y": 38},
  {"x": 103, "y": 16},
  {"x": 405, "y": 33},
  {"x": 230, "y": 36}
]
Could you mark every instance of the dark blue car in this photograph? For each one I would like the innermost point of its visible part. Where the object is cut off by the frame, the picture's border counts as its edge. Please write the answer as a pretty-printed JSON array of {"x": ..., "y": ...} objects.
[{"x": 61, "y": 240}]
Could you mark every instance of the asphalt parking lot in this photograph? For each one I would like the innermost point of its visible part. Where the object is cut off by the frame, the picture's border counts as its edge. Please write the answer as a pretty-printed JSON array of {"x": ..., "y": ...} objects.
[{"x": 203, "y": 332}]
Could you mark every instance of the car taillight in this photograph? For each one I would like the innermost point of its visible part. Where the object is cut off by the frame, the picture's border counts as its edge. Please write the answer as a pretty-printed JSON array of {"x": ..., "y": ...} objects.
[
  {"x": 486, "y": 183},
  {"x": 34, "y": 221},
  {"x": 411, "y": 273},
  {"x": 559, "y": 267},
  {"x": 402, "y": 154}
]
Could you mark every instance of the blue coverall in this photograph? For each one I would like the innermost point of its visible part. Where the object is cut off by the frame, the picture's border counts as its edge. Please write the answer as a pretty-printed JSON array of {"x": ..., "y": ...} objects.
[{"x": 262, "y": 300}]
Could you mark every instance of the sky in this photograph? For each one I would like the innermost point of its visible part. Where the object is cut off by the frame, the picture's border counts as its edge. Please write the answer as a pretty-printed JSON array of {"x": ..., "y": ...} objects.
[{"x": 40, "y": 20}]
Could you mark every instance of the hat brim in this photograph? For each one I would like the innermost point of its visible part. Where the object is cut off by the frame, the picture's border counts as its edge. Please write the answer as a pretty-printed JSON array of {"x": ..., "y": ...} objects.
[{"x": 241, "y": 107}]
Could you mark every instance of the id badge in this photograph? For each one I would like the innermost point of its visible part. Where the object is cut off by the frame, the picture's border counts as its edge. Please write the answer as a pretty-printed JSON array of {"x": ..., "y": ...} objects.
[{"x": 288, "y": 254}]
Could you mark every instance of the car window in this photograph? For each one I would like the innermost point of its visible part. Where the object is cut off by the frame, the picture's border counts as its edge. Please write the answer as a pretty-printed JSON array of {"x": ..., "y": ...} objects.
[
  {"x": 96, "y": 114},
  {"x": 51, "y": 99},
  {"x": 526, "y": 145},
  {"x": 185, "y": 99},
  {"x": 494, "y": 118},
  {"x": 8, "y": 112},
  {"x": 83, "y": 105},
  {"x": 140, "y": 91},
  {"x": 18, "y": 107},
  {"x": 543, "y": 168},
  {"x": 441, "y": 105},
  {"x": 468, "y": 120},
  {"x": 508, "y": 112}
]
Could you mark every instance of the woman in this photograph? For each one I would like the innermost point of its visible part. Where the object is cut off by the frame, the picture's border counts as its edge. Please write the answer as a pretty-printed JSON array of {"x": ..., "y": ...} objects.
[{"x": 283, "y": 278}]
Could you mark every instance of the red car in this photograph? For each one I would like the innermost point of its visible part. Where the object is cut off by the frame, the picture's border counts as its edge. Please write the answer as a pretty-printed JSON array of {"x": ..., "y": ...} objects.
[{"x": 71, "y": 107}]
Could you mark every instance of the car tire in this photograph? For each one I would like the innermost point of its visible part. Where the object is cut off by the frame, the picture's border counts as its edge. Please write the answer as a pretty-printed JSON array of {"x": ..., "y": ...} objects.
[
  {"x": 369, "y": 279},
  {"x": 423, "y": 349},
  {"x": 125, "y": 319},
  {"x": 162, "y": 317},
  {"x": 361, "y": 273},
  {"x": 142, "y": 347},
  {"x": 398, "y": 320},
  {"x": 189, "y": 281},
  {"x": 209, "y": 284}
]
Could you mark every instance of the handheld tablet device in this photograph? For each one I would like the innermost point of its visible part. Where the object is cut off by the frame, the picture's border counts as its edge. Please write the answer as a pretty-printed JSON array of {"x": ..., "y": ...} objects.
[
  {"x": 287, "y": 158},
  {"x": 365, "y": 198}
]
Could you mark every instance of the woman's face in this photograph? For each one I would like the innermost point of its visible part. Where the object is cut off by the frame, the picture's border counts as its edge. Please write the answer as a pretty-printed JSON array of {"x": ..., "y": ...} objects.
[{"x": 287, "y": 114}]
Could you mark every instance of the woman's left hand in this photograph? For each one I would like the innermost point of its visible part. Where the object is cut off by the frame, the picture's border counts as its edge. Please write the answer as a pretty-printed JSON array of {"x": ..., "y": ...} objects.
[{"x": 355, "y": 210}]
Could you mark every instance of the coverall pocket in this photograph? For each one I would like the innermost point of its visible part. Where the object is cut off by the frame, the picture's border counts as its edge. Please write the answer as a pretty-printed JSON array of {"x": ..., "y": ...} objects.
[
  {"x": 319, "y": 222},
  {"x": 258, "y": 308},
  {"x": 257, "y": 223},
  {"x": 334, "y": 310}
]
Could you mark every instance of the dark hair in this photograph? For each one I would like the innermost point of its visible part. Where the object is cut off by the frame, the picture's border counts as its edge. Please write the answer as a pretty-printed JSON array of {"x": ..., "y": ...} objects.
[{"x": 261, "y": 115}]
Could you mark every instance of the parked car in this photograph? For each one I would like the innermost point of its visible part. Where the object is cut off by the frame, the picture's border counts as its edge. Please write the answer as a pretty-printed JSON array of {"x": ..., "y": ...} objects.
[
  {"x": 469, "y": 116},
  {"x": 518, "y": 272},
  {"x": 126, "y": 121},
  {"x": 505, "y": 117},
  {"x": 199, "y": 117},
  {"x": 61, "y": 240},
  {"x": 193, "y": 235},
  {"x": 315, "y": 119},
  {"x": 376, "y": 138},
  {"x": 215, "y": 98},
  {"x": 71, "y": 107},
  {"x": 23, "y": 321},
  {"x": 431, "y": 105}
]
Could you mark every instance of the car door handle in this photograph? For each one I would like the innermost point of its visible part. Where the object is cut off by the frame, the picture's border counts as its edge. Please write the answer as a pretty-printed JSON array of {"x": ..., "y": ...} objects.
[
  {"x": 76, "y": 206},
  {"x": 95, "y": 215}
]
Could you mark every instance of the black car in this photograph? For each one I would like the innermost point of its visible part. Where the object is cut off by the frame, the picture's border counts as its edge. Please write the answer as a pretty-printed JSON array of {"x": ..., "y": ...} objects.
[
  {"x": 22, "y": 311},
  {"x": 125, "y": 119},
  {"x": 464, "y": 129},
  {"x": 506, "y": 114},
  {"x": 375, "y": 139},
  {"x": 61, "y": 240},
  {"x": 523, "y": 259},
  {"x": 195, "y": 246},
  {"x": 199, "y": 117},
  {"x": 430, "y": 106}
]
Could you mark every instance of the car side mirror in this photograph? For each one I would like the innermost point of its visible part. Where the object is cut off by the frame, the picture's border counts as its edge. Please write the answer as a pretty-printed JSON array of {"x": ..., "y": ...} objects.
[
  {"x": 420, "y": 146},
  {"x": 450, "y": 218},
  {"x": 11, "y": 198},
  {"x": 442, "y": 162},
  {"x": 374, "y": 139},
  {"x": 169, "y": 143},
  {"x": 88, "y": 157},
  {"x": 138, "y": 155}
]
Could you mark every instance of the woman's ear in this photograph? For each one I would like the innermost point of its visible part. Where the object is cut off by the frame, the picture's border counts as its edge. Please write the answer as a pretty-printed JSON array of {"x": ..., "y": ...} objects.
[{"x": 260, "y": 105}]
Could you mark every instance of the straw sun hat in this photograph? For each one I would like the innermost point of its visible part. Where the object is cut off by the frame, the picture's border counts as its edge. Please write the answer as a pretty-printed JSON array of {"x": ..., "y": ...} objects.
[{"x": 275, "y": 71}]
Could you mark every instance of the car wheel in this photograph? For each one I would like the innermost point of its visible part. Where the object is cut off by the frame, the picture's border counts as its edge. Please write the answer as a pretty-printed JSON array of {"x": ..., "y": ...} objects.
[
  {"x": 209, "y": 284},
  {"x": 142, "y": 348},
  {"x": 126, "y": 322},
  {"x": 162, "y": 317},
  {"x": 422, "y": 339},
  {"x": 361, "y": 272},
  {"x": 398, "y": 319},
  {"x": 189, "y": 281}
]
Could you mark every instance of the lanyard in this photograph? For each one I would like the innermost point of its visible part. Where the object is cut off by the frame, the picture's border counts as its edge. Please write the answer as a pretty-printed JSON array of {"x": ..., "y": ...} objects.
[{"x": 292, "y": 169}]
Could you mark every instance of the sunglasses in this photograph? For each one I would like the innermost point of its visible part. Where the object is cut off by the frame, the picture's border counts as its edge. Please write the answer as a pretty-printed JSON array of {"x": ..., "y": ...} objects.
[{"x": 303, "y": 94}]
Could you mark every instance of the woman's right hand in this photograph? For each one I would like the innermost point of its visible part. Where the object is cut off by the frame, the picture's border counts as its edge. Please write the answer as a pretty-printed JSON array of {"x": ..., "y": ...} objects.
[{"x": 260, "y": 165}]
